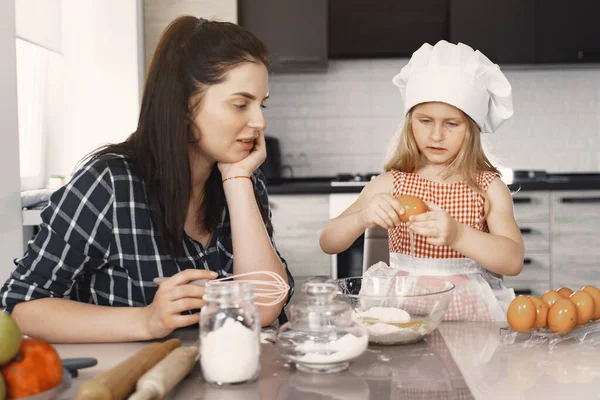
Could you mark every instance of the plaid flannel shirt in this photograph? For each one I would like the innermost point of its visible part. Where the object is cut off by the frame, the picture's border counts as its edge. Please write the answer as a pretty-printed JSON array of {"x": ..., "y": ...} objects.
[{"x": 99, "y": 242}]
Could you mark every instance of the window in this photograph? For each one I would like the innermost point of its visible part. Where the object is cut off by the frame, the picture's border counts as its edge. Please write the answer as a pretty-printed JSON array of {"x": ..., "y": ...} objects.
[{"x": 32, "y": 87}]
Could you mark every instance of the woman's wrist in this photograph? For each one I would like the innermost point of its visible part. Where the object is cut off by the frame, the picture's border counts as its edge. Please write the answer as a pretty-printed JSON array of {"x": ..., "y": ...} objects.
[
  {"x": 144, "y": 320},
  {"x": 230, "y": 178}
]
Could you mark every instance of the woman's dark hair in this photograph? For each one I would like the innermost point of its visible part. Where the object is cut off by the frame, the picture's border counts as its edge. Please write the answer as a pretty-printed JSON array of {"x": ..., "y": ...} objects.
[{"x": 192, "y": 54}]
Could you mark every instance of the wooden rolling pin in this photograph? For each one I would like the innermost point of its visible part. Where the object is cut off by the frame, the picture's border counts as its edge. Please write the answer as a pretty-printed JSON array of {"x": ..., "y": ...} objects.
[
  {"x": 164, "y": 376},
  {"x": 118, "y": 382}
]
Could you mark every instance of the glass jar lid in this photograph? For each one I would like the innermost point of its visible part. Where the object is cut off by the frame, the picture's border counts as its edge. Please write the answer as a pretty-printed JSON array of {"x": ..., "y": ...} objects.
[{"x": 320, "y": 310}]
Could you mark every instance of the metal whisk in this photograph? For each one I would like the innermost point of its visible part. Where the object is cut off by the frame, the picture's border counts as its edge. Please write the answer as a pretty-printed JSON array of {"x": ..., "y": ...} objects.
[{"x": 276, "y": 290}]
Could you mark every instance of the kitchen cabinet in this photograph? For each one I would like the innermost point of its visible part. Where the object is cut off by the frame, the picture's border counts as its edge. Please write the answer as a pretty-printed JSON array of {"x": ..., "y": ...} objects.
[
  {"x": 502, "y": 30},
  {"x": 568, "y": 31},
  {"x": 295, "y": 32},
  {"x": 532, "y": 213},
  {"x": 384, "y": 28},
  {"x": 298, "y": 222},
  {"x": 528, "y": 31},
  {"x": 576, "y": 239}
]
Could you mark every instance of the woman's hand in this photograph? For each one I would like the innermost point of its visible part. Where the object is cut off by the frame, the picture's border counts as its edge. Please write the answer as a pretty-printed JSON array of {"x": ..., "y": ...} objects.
[
  {"x": 383, "y": 210},
  {"x": 436, "y": 225},
  {"x": 174, "y": 296},
  {"x": 249, "y": 164}
]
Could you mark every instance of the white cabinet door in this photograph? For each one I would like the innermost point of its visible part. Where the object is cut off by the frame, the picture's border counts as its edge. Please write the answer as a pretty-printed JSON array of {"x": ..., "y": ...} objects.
[
  {"x": 298, "y": 221},
  {"x": 576, "y": 238},
  {"x": 532, "y": 206},
  {"x": 532, "y": 212}
]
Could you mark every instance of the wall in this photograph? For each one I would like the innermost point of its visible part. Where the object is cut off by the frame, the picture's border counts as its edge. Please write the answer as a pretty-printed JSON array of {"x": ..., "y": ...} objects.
[
  {"x": 95, "y": 85},
  {"x": 342, "y": 120},
  {"x": 159, "y": 13},
  {"x": 10, "y": 201},
  {"x": 40, "y": 22}
]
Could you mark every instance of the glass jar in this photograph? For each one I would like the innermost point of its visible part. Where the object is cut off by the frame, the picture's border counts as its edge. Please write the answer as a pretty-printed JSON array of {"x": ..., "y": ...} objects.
[
  {"x": 229, "y": 333},
  {"x": 321, "y": 336}
]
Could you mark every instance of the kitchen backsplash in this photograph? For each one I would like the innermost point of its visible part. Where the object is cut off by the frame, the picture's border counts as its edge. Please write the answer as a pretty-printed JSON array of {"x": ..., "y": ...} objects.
[{"x": 342, "y": 120}]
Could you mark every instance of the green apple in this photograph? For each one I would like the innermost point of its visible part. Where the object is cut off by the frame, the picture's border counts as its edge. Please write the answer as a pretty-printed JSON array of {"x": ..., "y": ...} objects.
[
  {"x": 10, "y": 338},
  {"x": 2, "y": 388}
]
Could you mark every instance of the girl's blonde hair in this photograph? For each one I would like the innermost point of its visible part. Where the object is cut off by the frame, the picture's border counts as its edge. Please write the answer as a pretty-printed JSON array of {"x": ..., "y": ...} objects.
[{"x": 469, "y": 162}]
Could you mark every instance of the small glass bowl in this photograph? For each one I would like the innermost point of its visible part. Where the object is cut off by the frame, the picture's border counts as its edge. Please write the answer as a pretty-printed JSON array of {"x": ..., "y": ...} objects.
[{"x": 321, "y": 336}]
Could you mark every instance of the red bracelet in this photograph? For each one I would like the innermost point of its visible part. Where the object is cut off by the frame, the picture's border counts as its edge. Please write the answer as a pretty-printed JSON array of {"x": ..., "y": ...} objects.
[{"x": 236, "y": 177}]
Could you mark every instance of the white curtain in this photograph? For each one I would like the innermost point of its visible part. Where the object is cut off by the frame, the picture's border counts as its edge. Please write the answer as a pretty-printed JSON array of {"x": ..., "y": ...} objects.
[{"x": 32, "y": 88}]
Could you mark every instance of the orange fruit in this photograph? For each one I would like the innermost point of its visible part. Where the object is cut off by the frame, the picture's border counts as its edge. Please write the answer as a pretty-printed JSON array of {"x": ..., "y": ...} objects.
[{"x": 35, "y": 369}]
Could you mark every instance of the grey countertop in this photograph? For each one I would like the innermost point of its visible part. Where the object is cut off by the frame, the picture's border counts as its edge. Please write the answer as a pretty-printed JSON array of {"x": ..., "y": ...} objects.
[
  {"x": 460, "y": 360},
  {"x": 322, "y": 185}
]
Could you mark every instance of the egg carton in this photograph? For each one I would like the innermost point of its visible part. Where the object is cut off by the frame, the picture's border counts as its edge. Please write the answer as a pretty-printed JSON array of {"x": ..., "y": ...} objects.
[{"x": 580, "y": 333}]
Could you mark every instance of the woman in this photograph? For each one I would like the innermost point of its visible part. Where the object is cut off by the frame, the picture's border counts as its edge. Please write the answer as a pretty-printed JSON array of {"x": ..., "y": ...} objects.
[{"x": 177, "y": 199}]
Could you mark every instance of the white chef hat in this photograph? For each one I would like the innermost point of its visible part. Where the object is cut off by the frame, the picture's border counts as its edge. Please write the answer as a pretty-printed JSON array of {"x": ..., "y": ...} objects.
[{"x": 460, "y": 76}]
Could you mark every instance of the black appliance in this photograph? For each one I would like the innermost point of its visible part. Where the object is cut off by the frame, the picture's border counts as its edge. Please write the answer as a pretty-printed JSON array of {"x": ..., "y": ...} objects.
[{"x": 272, "y": 165}]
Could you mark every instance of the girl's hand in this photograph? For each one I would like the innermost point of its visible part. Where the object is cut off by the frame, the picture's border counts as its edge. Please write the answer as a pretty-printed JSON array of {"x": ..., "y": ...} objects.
[
  {"x": 249, "y": 164},
  {"x": 174, "y": 296},
  {"x": 436, "y": 225},
  {"x": 383, "y": 210}
]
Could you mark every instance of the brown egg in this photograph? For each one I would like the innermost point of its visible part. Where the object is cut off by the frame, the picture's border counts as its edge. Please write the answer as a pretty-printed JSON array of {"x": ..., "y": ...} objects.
[
  {"x": 585, "y": 306},
  {"x": 541, "y": 311},
  {"x": 564, "y": 292},
  {"x": 562, "y": 316},
  {"x": 596, "y": 295},
  {"x": 521, "y": 314},
  {"x": 412, "y": 206},
  {"x": 550, "y": 297}
]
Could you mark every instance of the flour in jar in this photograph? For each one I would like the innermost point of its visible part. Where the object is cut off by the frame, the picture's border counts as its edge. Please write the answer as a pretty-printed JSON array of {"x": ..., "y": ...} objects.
[
  {"x": 230, "y": 354},
  {"x": 345, "y": 348},
  {"x": 389, "y": 325}
]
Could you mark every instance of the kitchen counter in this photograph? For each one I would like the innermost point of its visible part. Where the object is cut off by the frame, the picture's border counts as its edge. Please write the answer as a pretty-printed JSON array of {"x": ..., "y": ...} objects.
[
  {"x": 322, "y": 185},
  {"x": 459, "y": 361}
]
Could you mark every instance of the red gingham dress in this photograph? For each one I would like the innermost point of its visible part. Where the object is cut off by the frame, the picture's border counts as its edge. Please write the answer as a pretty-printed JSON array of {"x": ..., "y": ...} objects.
[
  {"x": 458, "y": 199},
  {"x": 478, "y": 295}
]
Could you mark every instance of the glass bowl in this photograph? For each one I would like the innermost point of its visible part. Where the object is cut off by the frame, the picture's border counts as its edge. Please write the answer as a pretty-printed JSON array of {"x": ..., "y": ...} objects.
[
  {"x": 321, "y": 335},
  {"x": 399, "y": 309}
]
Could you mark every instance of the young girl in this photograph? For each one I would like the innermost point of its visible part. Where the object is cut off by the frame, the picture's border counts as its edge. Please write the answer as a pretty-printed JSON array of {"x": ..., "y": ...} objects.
[
  {"x": 469, "y": 236},
  {"x": 181, "y": 198}
]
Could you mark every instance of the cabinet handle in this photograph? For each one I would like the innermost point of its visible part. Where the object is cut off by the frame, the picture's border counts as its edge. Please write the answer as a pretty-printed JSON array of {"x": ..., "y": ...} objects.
[
  {"x": 527, "y": 261},
  {"x": 290, "y": 60},
  {"x": 526, "y": 231},
  {"x": 522, "y": 200},
  {"x": 580, "y": 200},
  {"x": 523, "y": 292}
]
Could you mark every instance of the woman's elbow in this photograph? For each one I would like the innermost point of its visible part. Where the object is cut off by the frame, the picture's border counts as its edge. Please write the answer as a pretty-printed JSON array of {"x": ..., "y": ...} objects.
[
  {"x": 324, "y": 245},
  {"x": 268, "y": 315}
]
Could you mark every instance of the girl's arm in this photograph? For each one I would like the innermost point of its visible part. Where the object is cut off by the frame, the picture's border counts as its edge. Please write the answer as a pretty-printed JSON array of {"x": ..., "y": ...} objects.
[
  {"x": 374, "y": 207},
  {"x": 500, "y": 251}
]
